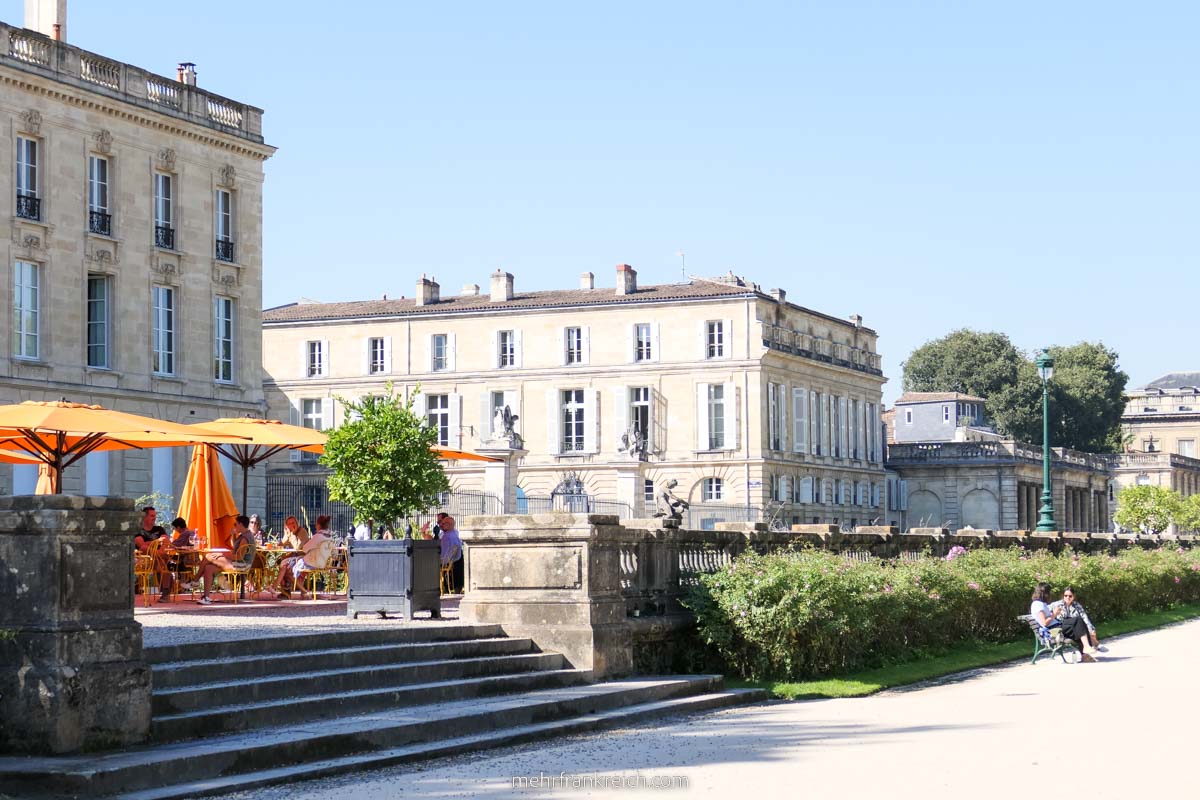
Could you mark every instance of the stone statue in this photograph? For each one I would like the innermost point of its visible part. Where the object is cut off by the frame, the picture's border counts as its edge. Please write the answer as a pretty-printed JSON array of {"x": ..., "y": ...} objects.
[
  {"x": 633, "y": 442},
  {"x": 669, "y": 505},
  {"x": 504, "y": 426}
]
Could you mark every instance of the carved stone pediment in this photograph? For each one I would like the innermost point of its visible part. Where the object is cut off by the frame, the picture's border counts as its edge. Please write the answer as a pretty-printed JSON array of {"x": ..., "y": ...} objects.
[
  {"x": 166, "y": 159},
  {"x": 31, "y": 121},
  {"x": 101, "y": 254},
  {"x": 227, "y": 176},
  {"x": 103, "y": 141},
  {"x": 227, "y": 276},
  {"x": 166, "y": 268}
]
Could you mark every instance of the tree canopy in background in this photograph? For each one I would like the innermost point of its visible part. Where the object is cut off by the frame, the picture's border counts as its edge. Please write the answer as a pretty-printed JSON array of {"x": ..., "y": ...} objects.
[
  {"x": 381, "y": 461},
  {"x": 1086, "y": 393}
]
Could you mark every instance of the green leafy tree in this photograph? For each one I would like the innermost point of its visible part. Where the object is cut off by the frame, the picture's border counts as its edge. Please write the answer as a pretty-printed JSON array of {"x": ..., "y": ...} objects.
[
  {"x": 1187, "y": 516},
  {"x": 1086, "y": 400},
  {"x": 1149, "y": 509},
  {"x": 381, "y": 461}
]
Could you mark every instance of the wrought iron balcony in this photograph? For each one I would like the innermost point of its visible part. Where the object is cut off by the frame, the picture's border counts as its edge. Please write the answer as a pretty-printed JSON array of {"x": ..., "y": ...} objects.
[
  {"x": 100, "y": 222},
  {"x": 164, "y": 237},
  {"x": 29, "y": 207},
  {"x": 224, "y": 249}
]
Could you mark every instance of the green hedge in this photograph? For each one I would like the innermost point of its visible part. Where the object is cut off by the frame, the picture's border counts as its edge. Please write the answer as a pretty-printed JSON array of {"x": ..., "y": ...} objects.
[{"x": 803, "y": 614}]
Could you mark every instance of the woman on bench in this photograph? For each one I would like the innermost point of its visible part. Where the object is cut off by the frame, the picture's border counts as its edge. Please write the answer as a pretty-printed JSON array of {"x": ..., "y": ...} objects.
[{"x": 1076, "y": 624}]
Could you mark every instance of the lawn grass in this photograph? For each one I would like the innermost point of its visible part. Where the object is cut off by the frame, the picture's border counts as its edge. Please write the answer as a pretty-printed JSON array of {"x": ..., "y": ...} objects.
[{"x": 968, "y": 655}]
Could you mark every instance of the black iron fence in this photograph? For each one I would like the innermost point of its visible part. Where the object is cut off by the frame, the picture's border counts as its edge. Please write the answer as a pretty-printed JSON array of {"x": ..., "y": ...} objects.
[
  {"x": 573, "y": 503},
  {"x": 308, "y": 495}
]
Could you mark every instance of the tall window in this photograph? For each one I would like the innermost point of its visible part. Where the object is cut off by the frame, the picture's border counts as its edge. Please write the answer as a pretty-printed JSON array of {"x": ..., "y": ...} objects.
[
  {"x": 223, "y": 340},
  {"x": 99, "y": 218},
  {"x": 376, "y": 356},
  {"x": 437, "y": 413},
  {"x": 572, "y": 420},
  {"x": 648, "y": 490},
  {"x": 312, "y": 414},
  {"x": 98, "y": 310},
  {"x": 163, "y": 332},
  {"x": 27, "y": 298},
  {"x": 439, "y": 348},
  {"x": 224, "y": 225},
  {"x": 639, "y": 410},
  {"x": 713, "y": 489},
  {"x": 28, "y": 204},
  {"x": 716, "y": 416},
  {"x": 573, "y": 340},
  {"x": 836, "y": 422},
  {"x": 164, "y": 211},
  {"x": 1187, "y": 447},
  {"x": 644, "y": 346},
  {"x": 714, "y": 339},
  {"x": 315, "y": 363},
  {"x": 816, "y": 408},
  {"x": 507, "y": 342},
  {"x": 775, "y": 400}
]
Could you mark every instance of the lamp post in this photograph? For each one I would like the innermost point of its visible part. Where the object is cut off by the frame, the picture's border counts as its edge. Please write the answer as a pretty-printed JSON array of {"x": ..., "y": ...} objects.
[{"x": 1045, "y": 365}]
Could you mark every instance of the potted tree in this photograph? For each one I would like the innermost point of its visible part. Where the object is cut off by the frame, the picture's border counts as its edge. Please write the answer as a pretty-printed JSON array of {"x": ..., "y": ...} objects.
[{"x": 383, "y": 467}]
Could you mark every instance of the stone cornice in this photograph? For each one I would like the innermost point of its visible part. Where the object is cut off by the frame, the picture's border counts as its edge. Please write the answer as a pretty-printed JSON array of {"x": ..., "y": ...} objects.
[{"x": 121, "y": 109}]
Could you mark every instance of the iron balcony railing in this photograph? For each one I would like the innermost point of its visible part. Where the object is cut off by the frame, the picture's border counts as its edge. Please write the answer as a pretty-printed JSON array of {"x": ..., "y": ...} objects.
[
  {"x": 100, "y": 222},
  {"x": 29, "y": 207},
  {"x": 164, "y": 237},
  {"x": 224, "y": 250}
]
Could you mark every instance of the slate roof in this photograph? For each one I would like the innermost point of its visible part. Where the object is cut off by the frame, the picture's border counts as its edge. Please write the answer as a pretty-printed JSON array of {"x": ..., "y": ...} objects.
[
  {"x": 302, "y": 312},
  {"x": 909, "y": 398},
  {"x": 1175, "y": 381}
]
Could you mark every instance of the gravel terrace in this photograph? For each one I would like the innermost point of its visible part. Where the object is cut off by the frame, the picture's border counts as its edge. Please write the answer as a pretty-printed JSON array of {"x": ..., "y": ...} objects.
[{"x": 184, "y": 621}]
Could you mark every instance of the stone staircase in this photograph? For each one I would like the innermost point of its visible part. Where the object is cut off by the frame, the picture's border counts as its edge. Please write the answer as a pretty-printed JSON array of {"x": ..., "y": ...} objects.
[{"x": 236, "y": 715}]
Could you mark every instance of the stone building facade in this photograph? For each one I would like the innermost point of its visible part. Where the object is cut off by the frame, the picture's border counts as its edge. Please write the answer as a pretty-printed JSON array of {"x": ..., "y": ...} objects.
[
  {"x": 133, "y": 247},
  {"x": 996, "y": 485},
  {"x": 935, "y": 417},
  {"x": 742, "y": 397}
]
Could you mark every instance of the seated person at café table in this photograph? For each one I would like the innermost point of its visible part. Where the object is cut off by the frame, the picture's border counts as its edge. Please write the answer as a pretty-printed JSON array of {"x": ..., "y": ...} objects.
[
  {"x": 141, "y": 542},
  {"x": 452, "y": 552},
  {"x": 256, "y": 529},
  {"x": 318, "y": 552},
  {"x": 294, "y": 535},
  {"x": 216, "y": 563}
]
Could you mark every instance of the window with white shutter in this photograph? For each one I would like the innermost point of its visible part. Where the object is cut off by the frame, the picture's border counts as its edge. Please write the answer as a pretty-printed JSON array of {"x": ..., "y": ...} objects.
[{"x": 799, "y": 419}]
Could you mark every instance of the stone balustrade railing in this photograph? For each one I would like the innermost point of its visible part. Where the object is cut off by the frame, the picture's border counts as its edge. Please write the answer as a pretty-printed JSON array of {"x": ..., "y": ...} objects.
[
  {"x": 39, "y": 54},
  {"x": 1005, "y": 451}
]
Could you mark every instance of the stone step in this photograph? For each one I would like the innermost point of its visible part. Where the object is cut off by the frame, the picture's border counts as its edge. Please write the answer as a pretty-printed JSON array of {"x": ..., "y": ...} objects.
[
  {"x": 290, "y": 643},
  {"x": 327, "y": 682},
  {"x": 174, "y": 674},
  {"x": 502, "y": 737},
  {"x": 240, "y": 716},
  {"x": 316, "y": 747}
]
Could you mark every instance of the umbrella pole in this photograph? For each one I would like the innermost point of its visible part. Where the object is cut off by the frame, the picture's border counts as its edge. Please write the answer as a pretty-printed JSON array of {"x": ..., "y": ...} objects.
[{"x": 245, "y": 487}]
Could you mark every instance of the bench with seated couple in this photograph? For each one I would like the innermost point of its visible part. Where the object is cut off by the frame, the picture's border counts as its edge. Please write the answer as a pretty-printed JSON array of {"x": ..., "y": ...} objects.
[{"x": 1049, "y": 640}]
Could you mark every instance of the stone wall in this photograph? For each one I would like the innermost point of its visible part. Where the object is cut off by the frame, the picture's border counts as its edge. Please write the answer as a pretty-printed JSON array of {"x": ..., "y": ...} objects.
[{"x": 72, "y": 676}]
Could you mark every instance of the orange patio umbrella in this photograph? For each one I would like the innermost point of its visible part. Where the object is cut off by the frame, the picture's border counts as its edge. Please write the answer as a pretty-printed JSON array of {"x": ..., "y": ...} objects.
[
  {"x": 207, "y": 504},
  {"x": 450, "y": 454},
  {"x": 259, "y": 439},
  {"x": 59, "y": 433}
]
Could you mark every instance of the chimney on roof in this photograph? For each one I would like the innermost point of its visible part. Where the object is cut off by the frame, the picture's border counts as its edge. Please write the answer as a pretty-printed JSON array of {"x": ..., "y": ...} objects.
[
  {"x": 186, "y": 73},
  {"x": 428, "y": 290},
  {"x": 48, "y": 17},
  {"x": 470, "y": 290},
  {"x": 587, "y": 280},
  {"x": 779, "y": 294},
  {"x": 856, "y": 319},
  {"x": 502, "y": 286},
  {"x": 626, "y": 279}
]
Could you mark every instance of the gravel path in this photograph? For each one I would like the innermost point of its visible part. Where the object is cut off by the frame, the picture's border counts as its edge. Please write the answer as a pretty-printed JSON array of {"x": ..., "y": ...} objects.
[
  {"x": 1122, "y": 728},
  {"x": 184, "y": 621}
]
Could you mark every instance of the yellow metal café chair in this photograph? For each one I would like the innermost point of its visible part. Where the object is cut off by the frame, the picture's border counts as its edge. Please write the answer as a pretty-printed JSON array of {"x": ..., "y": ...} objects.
[
  {"x": 144, "y": 569},
  {"x": 235, "y": 577},
  {"x": 446, "y": 573}
]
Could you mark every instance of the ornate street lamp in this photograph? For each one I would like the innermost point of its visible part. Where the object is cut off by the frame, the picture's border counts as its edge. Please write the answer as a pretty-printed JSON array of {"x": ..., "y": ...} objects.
[{"x": 1045, "y": 365}]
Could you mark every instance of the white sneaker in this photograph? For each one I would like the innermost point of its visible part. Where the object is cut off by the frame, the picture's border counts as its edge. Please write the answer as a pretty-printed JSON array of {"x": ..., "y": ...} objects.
[
  {"x": 205, "y": 601},
  {"x": 1102, "y": 649}
]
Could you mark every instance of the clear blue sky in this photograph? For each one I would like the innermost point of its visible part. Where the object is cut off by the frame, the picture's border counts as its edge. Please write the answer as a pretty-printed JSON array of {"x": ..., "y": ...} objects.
[{"x": 1024, "y": 167}]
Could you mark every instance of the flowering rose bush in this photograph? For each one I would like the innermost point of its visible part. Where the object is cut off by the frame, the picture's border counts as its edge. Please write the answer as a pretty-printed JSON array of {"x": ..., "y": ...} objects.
[{"x": 805, "y": 613}]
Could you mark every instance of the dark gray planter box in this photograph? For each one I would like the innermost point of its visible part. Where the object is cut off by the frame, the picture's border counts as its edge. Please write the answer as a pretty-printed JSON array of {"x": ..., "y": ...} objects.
[{"x": 397, "y": 576}]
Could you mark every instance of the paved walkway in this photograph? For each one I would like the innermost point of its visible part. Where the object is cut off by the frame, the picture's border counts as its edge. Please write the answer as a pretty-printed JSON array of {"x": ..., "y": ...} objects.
[
  {"x": 184, "y": 621},
  {"x": 1122, "y": 728}
]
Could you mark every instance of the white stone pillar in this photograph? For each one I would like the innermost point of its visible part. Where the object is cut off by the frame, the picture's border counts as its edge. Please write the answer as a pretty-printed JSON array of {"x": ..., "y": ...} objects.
[{"x": 500, "y": 476}]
